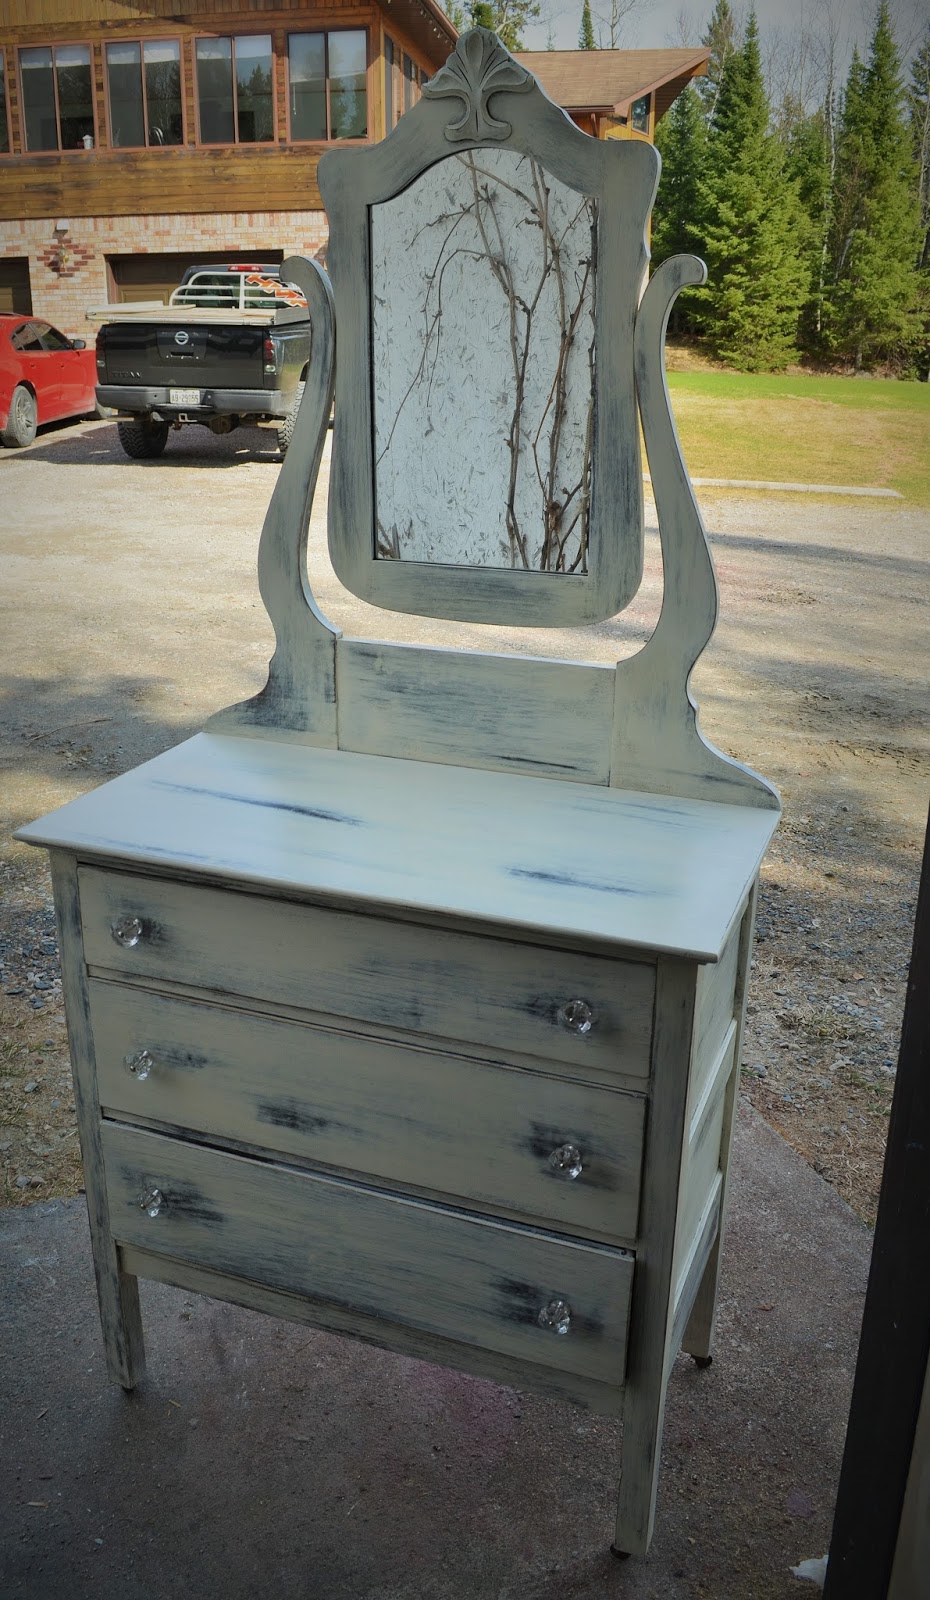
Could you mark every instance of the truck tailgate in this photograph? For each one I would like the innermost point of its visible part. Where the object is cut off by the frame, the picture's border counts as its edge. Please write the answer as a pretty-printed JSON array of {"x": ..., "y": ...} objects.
[{"x": 186, "y": 355}]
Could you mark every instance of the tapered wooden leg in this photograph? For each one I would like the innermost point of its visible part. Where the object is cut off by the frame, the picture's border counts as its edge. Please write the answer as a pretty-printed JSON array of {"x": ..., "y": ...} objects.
[
  {"x": 698, "y": 1339},
  {"x": 643, "y": 1418},
  {"x": 120, "y": 1319},
  {"x": 117, "y": 1291}
]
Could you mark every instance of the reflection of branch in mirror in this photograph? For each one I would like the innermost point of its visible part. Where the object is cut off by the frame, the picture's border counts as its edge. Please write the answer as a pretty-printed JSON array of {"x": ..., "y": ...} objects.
[{"x": 544, "y": 316}]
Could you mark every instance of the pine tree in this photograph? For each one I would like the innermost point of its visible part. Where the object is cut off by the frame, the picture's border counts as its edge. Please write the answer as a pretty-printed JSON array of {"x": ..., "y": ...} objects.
[
  {"x": 751, "y": 222},
  {"x": 918, "y": 97},
  {"x": 874, "y": 298},
  {"x": 809, "y": 163},
  {"x": 681, "y": 138},
  {"x": 586, "y": 39},
  {"x": 506, "y": 18},
  {"x": 722, "y": 37}
]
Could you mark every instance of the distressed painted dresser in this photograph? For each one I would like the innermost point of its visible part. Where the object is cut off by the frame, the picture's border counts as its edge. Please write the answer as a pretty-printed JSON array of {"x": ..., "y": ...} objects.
[{"x": 406, "y": 999}]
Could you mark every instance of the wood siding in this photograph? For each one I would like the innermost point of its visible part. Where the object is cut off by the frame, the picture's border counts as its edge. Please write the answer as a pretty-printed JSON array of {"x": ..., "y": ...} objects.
[
  {"x": 167, "y": 183},
  {"x": 186, "y": 179}
]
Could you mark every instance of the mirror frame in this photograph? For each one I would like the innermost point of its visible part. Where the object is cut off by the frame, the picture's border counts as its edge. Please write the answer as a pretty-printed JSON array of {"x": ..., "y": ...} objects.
[{"x": 504, "y": 108}]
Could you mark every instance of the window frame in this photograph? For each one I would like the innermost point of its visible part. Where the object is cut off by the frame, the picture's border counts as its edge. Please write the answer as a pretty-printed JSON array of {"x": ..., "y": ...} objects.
[
  {"x": 642, "y": 99},
  {"x": 4, "y": 66},
  {"x": 236, "y": 143},
  {"x": 58, "y": 44},
  {"x": 20, "y": 332},
  {"x": 390, "y": 92},
  {"x": 410, "y": 79},
  {"x": 325, "y": 34},
  {"x": 43, "y": 327},
  {"x": 142, "y": 41}
]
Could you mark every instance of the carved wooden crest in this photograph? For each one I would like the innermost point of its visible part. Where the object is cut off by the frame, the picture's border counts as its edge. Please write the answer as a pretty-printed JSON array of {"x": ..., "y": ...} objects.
[{"x": 478, "y": 67}]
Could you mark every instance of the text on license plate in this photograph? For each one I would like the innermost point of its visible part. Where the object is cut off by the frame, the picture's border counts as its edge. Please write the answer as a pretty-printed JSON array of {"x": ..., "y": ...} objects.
[{"x": 184, "y": 397}]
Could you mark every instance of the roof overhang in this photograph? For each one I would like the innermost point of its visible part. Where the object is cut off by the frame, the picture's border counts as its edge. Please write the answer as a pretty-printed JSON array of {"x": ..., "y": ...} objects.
[
  {"x": 425, "y": 24},
  {"x": 605, "y": 83}
]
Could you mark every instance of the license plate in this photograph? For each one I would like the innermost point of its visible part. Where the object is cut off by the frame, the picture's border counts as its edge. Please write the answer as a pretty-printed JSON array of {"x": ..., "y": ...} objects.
[{"x": 184, "y": 397}]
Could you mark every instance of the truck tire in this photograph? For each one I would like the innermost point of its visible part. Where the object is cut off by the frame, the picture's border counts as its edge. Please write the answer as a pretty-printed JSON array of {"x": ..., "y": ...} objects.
[
  {"x": 286, "y": 430},
  {"x": 143, "y": 440},
  {"x": 21, "y": 423}
]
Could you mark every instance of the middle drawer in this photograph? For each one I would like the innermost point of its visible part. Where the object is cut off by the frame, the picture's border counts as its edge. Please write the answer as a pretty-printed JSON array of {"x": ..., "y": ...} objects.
[{"x": 536, "y": 1145}]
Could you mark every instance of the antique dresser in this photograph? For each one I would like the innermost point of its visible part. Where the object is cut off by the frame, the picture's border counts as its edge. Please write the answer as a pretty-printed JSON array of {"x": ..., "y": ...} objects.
[{"x": 406, "y": 999}]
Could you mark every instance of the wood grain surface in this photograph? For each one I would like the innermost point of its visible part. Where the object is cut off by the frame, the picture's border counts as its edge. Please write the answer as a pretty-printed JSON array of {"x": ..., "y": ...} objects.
[
  {"x": 424, "y": 1266},
  {"x": 430, "y": 1120},
  {"x": 564, "y": 861},
  {"x": 504, "y": 996}
]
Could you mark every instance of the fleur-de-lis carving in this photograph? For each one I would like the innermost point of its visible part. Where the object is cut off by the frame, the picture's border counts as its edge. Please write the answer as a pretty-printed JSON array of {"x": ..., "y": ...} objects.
[{"x": 478, "y": 67}]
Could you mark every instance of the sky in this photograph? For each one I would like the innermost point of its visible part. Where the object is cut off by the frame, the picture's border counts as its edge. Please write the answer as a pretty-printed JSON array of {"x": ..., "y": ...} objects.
[{"x": 654, "y": 24}]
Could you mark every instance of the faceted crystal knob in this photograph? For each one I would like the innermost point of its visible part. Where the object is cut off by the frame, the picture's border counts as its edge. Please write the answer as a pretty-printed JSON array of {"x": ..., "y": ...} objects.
[
  {"x": 127, "y": 931},
  {"x": 139, "y": 1065},
  {"x": 556, "y": 1315},
  {"x": 152, "y": 1201},
  {"x": 567, "y": 1160},
  {"x": 577, "y": 1016}
]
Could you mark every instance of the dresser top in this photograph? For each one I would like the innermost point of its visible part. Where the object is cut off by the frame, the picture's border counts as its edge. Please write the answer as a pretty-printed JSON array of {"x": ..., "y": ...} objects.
[{"x": 556, "y": 859}]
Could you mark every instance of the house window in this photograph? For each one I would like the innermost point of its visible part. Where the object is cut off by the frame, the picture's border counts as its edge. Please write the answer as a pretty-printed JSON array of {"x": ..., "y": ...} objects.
[
  {"x": 4, "y": 115},
  {"x": 390, "y": 114},
  {"x": 328, "y": 84},
  {"x": 411, "y": 83},
  {"x": 58, "y": 108},
  {"x": 639, "y": 114},
  {"x": 234, "y": 89},
  {"x": 144, "y": 91}
]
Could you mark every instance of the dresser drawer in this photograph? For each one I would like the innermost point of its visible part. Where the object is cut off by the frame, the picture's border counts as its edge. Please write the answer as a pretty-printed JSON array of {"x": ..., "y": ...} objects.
[
  {"x": 485, "y": 991},
  {"x": 498, "y": 1136},
  {"x": 417, "y": 1265}
]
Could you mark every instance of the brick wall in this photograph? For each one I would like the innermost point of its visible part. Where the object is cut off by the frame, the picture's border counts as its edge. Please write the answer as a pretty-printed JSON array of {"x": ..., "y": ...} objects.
[{"x": 67, "y": 270}]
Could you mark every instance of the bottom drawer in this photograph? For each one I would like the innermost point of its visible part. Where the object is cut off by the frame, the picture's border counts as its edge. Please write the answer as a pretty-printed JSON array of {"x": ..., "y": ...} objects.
[{"x": 516, "y": 1291}]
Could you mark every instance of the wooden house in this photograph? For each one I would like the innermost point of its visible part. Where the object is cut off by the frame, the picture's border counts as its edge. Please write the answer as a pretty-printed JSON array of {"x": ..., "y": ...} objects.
[
  {"x": 138, "y": 136},
  {"x": 616, "y": 94}
]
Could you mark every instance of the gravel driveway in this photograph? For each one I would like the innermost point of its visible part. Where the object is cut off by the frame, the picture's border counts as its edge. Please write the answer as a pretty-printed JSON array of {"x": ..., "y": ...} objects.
[{"x": 130, "y": 612}]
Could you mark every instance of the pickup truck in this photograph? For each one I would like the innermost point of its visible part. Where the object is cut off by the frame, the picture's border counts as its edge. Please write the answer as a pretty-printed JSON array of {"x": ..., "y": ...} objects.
[{"x": 232, "y": 346}]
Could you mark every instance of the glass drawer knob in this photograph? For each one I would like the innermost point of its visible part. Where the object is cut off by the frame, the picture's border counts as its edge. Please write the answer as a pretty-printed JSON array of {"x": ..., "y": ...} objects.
[
  {"x": 567, "y": 1160},
  {"x": 556, "y": 1315},
  {"x": 152, "y": 1201},
  {"x": 127, "y": 931},
  {"x": 139, "y": 1065},
  {"x": 577, "y": 1016}
]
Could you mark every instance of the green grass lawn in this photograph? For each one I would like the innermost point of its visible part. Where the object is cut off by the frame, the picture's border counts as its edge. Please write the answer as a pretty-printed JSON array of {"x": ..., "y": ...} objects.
[{"x": 861, "y": 432}]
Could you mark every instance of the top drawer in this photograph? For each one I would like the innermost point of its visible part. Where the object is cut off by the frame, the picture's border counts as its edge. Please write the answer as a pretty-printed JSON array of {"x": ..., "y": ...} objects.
[{"x": 589, "y": 1011}]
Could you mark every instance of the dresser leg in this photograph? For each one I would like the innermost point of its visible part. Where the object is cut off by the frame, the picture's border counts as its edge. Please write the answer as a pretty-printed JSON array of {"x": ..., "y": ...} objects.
[
  {"x": 643, "y": 1416},
  {"x": 121, "y": 1324},
  {"x": 698, "y": 1337}
]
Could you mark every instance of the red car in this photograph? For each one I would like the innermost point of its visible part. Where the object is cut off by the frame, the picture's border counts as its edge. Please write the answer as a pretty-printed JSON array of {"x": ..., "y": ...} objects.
[{"x": 43, "y": 377}]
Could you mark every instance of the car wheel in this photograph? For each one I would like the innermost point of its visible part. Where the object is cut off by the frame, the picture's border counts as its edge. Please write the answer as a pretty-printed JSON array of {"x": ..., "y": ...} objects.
[
  {"x": 21, "y": 423},
  {"x": 143, "y": 440},
  {"x": 286, "y": 430}
]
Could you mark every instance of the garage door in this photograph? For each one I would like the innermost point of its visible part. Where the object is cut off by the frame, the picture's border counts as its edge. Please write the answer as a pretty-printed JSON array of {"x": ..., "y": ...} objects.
[
  {"x": 152, "y": 277},
  {"x": 15, "y": 290}
]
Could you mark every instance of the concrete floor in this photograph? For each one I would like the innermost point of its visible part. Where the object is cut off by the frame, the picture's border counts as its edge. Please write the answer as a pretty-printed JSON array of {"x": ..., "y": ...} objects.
[{"x": 260, "y": 1459}]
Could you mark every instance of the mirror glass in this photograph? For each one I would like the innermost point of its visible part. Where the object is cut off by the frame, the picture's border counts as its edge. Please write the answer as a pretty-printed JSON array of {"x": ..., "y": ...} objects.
[{"x": 483, "y": 301}]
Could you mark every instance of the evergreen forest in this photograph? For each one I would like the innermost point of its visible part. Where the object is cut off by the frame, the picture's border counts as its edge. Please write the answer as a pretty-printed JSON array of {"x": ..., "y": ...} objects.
[
  {"x": 814, "y": 219},
  {"x": 808, "y": 197}
]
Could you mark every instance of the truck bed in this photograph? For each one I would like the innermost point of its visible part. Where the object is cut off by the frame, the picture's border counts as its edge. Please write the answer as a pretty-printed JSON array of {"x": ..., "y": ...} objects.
[{"x": 154, "y": 311}]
